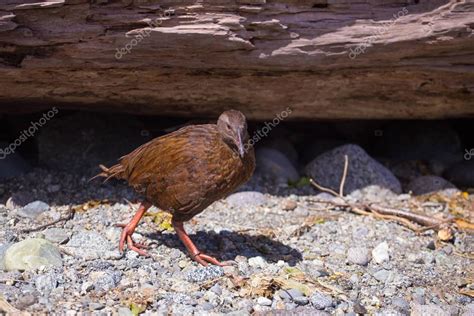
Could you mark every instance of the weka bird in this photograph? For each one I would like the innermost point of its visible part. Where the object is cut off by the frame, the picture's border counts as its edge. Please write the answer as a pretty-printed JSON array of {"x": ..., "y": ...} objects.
[{"x": 184, "y": 172}]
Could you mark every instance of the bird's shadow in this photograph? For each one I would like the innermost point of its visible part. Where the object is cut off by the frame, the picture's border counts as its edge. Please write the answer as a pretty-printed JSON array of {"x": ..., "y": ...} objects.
[{"x": 227, "y": 245}]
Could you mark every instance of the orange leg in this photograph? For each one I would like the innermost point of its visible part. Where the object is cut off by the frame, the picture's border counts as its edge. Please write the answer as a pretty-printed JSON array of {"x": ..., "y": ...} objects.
[
  {"x": 192, "y": 249},
  {"x": 128, "y": 230}
]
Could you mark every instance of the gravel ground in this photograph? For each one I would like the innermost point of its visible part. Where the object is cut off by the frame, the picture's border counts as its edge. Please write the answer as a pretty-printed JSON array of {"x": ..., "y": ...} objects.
[{"x": 291, "y": 256}]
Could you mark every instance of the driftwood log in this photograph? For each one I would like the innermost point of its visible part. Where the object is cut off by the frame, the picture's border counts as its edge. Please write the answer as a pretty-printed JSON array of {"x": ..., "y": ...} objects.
[{"x": 331, "y": 59}]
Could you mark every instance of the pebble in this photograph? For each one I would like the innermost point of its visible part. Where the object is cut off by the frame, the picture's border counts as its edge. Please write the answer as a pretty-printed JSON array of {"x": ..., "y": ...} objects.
[
  {"x": 33, "y": 209},
  {"x": 246, "y": 199},
  {"x": 90, "y": 245},
  {"x": 289, "y": 205},
  {"x": 202, "y": 274},
  {"x": 31, "y": 254},
  {"x": 401, "y": 304},
  {"x": 47, "y": 282},
  {"x": 382, "y": 275},
  {"x": 264, "y": 301},
  {"x": 359, "y": 308},
  {"x": 358, "y": 255},
  {"x": 321, "y": 301},
  {"x": 56, "y": 235},
  {"x": 380, "y": 253},
  {"x": 257, "y": 262},
  {"x": 3, "y": 249},
  {"x": 124, "y": 311},
  {"x": 294, "y": 293},
  {"x": 301, "y": 300},
  {"x": 96, "y": 306}
]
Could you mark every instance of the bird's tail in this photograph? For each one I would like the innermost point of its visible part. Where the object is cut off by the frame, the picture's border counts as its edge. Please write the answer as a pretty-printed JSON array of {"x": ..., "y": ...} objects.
[{"x": 113, "y": 172}]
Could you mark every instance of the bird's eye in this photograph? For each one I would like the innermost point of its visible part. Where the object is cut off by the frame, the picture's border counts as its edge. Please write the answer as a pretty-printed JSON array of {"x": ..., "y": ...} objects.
[{"x": 227, "y": 126}]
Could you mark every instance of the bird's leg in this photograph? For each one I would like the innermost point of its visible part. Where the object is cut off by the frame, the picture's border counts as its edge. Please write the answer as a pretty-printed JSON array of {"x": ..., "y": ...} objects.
[
  {"x": 129, "y": 228},
  {"x": 192, "y": 249}
]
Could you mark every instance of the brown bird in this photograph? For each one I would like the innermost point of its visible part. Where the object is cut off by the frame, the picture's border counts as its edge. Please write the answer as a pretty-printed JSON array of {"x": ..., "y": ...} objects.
[{"x": 184, "y": 172}]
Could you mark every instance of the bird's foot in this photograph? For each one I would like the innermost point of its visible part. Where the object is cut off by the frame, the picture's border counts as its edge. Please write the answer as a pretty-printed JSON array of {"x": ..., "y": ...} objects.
[
  {"x": 126, "y": 236},
  {"x": 205, "y": 259}
]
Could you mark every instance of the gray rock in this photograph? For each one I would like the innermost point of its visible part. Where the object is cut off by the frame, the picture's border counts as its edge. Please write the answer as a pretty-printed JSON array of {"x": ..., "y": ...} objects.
[
  {"x": 56, "y": 235},
  {"x": 246, "y": 199},
  {"x": 428, "y": 184},
  {"x": 124, "y": 311},
  {"x": 275, "y": 165},
  {"x": 382, "y": 275},
  {"x": 31, "y": 254},
  {"x": 264, "y": 301},
  {"x": 26, "y": 300},
  {"x": 47, "y": 282},
  {"x": 321, "y": 301},
  {"x": 461, "y": 174},
  {"x": 358, "y": 255},
  {"x": 204, "y": 273},
  {"x": 301, "y": 300},
  {"x": 419, "y": 296},
  {"x": 380, "y": 253},
  {"x": 90, "y": 245},
  {"x": 401, "y": 304},
  {"x": 285, "y": 147},
  {"x": 33, "y": 209},
  {"x": 427, "y": 310},
  {"x": 363, "y": 171},
  {"x": 257, "y": 262},
  {"x": 105, "y": 280},
  {"x": 96, "y": 306},
  {"x": 3, "y": 249},
  {"x": 216, "y": 288},
  {"x": 294, "y": 293}
]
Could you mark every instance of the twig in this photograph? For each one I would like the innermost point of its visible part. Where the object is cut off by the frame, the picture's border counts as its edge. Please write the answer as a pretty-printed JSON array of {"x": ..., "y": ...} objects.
[
  {"x": 69, "y": 216},
  {"x": 405, "y": 218},
  {"x": 344, "y": 174}
]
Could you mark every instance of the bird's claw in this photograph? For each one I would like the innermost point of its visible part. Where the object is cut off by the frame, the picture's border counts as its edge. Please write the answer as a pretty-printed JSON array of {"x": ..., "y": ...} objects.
[
  {"x": 126, "y": 236},
  {"x": 205, "y": 259}
]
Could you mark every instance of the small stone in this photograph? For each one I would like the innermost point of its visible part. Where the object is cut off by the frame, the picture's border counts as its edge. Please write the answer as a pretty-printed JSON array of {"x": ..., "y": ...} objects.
[
  {"x": 246, "y": 199},
  {"x": 359, "y": 308},
  {"x": 382, "y": 275},
  {"x": 124, "y": 311},
  {"x": 294, "y": 293},
  {"x": 431, "y": 245},
  {"x": 26, "y": 300},
  {"x": 419, "y": 296},
  {"x": 3, "y": 249},
  {"x": 206, "y": 306},
  {"x": 284, "y": 295},
  {"x": 33, "y": 209},
  {"x": 216, "y": 288},
  {"x": 321, "y": 301},
  {"x": 31, "y": 254},
  {"x": 205, "y": 273},
  {"x": 401, "y": 304},
  {"x": 380, "y": 253},
  {"x": 56, "y": 235},
  {"x": 96, "y": 306},
  {"x": 301, "y": 300},
  {"x": 257, "y": 262},
  {"x": 358, "y": 255},
  {"x": 289, "y": 205},
  {"x": 264, "y": 301},
  {"x": 47, "y": 282},
  {"x": 105, "y": 280}
]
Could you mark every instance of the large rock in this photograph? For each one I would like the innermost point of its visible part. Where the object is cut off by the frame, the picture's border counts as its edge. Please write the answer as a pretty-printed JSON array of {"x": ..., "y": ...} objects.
[
  {"x": 363, "y": 171},
  {"x": 327, "y": 59},
  {"x": 428, "y": 184},
  {"x": 275, "y": 165},
  {"x": 31, "y": 254}
]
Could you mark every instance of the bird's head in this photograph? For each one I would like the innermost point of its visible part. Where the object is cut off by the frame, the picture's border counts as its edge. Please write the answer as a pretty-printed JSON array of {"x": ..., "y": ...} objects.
[{"x": 232, "y": 125}]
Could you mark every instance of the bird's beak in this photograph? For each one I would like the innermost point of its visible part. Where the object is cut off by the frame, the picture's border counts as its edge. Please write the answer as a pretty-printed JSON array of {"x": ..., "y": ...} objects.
[{"x": 240, "y": 145}]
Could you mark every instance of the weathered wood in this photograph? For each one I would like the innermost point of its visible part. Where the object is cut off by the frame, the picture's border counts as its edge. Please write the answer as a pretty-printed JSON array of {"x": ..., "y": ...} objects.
[{"x": 324, "y": 58}]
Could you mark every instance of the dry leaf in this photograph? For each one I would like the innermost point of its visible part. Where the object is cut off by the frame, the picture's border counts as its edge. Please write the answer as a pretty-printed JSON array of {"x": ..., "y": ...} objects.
[
  {"x": 463, "y": 224},
  {"x": 467, "y": 292}
]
